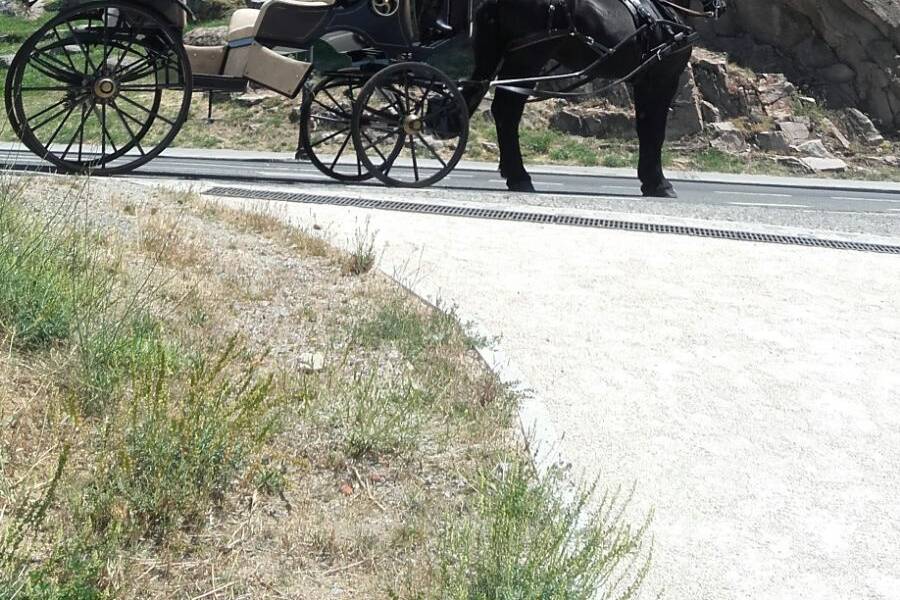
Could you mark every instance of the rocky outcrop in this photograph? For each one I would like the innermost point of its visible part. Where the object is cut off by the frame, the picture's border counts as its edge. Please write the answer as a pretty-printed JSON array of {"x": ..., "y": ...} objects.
[{"x": 847, "y": 50}]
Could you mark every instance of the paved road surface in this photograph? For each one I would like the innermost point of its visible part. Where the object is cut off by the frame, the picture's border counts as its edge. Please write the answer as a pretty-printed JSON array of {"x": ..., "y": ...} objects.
[{"x": 751, "y": 391}]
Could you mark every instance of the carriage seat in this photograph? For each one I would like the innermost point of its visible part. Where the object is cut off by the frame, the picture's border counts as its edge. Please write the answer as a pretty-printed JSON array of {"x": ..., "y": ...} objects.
[{"x": 251, "y": 35}]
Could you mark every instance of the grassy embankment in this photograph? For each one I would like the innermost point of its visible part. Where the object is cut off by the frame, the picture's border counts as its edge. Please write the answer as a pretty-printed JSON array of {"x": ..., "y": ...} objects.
[{"x": 199, "y": 402}]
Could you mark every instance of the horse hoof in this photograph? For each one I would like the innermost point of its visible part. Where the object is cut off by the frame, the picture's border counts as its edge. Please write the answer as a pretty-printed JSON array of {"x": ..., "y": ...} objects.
[
  {"x": 521, "y": 185},
  {"x": 660, "y": 192}
]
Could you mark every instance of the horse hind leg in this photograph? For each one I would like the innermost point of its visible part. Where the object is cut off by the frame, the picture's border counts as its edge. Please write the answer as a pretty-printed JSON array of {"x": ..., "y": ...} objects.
[{"x": 653, "y": 96}]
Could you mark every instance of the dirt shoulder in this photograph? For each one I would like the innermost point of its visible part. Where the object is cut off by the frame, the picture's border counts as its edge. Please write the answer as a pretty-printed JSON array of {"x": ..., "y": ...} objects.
[{"x": 201, "y": 402}]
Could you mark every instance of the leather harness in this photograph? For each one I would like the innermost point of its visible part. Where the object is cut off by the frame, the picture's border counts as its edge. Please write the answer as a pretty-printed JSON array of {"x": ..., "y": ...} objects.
[{"x": 657, "y": 31}]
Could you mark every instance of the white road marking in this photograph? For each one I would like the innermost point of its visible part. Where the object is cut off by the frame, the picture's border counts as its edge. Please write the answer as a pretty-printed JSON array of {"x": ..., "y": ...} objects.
[
  {"x": 769, "y": 204},
  {"x": 292, "y": 175},
  {"x": 771, "y": 195},
  {"x": 549, "y": 183},
  {"x": 866, "y": 199},
  {"x": 459, "y": 176}
]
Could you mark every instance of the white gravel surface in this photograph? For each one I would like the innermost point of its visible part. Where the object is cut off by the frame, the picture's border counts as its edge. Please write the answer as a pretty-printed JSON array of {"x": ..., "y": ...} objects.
[{"x": 750, "y": 390}]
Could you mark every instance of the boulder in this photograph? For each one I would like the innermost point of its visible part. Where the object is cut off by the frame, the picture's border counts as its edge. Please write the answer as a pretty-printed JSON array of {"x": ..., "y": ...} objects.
[
  {"x": 848, "y": 49},
  {"x": 823, "y": 165},
  {"x": 772, "y": 141},
  {"x": 709, "y": 112},
  {"x": 831, "y": 130},
  {"x": 793, "y": 132},
  {"x": 862, "y": 126},
  {"x": 685, "y": 118},
  {"x": 206, "y": 36},
  {"x": 813, "y": 148},
  {"x": 594, "y": 122},
  {"x": 716, "y": 86},
  {"x": 6, "y": 60}
]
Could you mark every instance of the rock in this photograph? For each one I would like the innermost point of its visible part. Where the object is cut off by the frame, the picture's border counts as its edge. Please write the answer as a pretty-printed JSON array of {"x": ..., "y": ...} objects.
[
  {"x": 727, "y": 137},
  {"x": 862, "y": 126},
  {"x": 846, "y": 48},
  {"x": 773, "y": 141},
  {"x": 793, "y": 132},
  {"x": 831, "y": 130},
  {"x": 206, "y": 36},
  {"x": 250, "y": 99},
  {"x": 609, "y": 124},
  {"x": 813, "y": 148},
  {"x": 775, "y": 93},
  {"x": 709, "y": 112},
  {"x": 685, "y": 118},
  {"x": 730, "y": 141},
  {"x": 311, "y": 362},
  {"x": 568, "y": 121},
  {"x": 594, "y": 122},
  {"x": 6, "y": 60},
  {"x": 490, "y": 147},
  {"x": 712, "y": 79},
  {"x": 823, "y": 165},
  {"x": 294, "y": 115}
]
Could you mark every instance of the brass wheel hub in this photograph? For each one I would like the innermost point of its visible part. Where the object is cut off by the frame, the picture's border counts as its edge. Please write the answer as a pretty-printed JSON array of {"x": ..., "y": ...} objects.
[
  {"x": 412, "y": 124},
  {"x": 105, "y": 88}
]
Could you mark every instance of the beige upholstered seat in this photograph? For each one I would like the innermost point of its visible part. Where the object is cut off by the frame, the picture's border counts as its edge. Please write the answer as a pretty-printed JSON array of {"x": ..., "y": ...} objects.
[{"x": 242, "y": 24}]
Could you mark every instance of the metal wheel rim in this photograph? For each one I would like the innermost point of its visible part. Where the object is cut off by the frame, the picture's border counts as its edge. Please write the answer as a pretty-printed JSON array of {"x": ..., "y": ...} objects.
[
  {"x": 405, "y": 115},
  {"x": 132, "y": 111}
]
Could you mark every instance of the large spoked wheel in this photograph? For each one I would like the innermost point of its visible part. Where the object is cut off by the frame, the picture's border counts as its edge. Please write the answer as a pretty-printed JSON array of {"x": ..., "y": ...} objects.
[
  {"x": 326, "y": 118},
  {"x": 102, "y": 88},
  {"x": 419, "y": 108}
]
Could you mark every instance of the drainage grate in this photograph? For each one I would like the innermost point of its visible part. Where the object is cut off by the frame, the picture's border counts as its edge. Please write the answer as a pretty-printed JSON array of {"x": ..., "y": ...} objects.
[{"x": 550, "y": 219}]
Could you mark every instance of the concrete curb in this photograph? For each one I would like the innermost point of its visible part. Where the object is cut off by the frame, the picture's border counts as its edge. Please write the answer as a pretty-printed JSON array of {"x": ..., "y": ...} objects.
[
  {"x": 535, "y": 426},
  {"x": 693, "y": 176},
  {"x": 848, "y": 185}
]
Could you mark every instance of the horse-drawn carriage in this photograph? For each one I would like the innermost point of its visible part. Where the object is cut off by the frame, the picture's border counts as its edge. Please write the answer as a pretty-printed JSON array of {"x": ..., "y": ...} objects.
[{"x": 106, "y": 85}]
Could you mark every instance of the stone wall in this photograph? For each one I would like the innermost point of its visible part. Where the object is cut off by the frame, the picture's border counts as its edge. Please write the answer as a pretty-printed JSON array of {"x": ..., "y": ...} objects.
[{"x": 848, "y": 51}]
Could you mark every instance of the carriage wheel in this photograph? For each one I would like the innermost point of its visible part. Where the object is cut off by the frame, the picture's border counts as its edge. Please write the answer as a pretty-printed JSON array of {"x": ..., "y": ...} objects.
[
  {"x": 325, "y": 122},
  {"x": 102, "y": 88},
  {"x": 417, "y": 108}
]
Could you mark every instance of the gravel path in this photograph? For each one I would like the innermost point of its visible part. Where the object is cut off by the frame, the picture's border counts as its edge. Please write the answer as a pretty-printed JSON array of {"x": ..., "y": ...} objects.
[{"x": 748, "y": 389}]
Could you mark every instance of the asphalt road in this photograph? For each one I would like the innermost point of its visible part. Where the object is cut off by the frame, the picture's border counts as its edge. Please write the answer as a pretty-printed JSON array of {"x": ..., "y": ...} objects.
[{"x": 840, "y": 198}]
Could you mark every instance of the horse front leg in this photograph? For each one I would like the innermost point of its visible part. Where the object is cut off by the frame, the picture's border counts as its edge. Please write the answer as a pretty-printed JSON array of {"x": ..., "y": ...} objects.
[
  {"x": 653, "y": 96},
  {"x": 507, "y": 109}
]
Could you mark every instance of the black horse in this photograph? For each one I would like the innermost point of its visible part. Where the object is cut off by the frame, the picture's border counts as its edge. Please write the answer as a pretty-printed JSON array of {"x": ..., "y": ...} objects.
[{"x": 504, "y": 48}]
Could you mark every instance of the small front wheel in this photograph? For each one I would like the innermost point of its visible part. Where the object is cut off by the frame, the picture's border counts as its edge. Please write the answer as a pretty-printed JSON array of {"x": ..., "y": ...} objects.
[{"x": 410, "y": 125}]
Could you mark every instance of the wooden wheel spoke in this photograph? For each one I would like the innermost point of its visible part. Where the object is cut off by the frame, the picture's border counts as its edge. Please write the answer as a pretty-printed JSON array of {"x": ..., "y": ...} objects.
[
  {"x": 45, "y": 121},
  {"x": 155, "y": 115},
  {"x": 424, "y": 97},
  {"x": 330, "y": 136},
  {"x": 373, "y": 146},
  {"x": 340, "y": 151},
  {"x": 137, "y": 142},
  {"x": 432, "y": 150},
  {"x": 59, "y": 127},
  {"x": 412, "y": 149}
]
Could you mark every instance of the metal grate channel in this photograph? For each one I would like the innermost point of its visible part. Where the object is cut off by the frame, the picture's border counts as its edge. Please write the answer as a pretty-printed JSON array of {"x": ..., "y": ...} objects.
[{"x": 551, "y": 219}]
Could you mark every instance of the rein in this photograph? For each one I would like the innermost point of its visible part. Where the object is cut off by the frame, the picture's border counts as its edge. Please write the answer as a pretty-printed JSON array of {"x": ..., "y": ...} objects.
[{"x": 688, "y": 11}]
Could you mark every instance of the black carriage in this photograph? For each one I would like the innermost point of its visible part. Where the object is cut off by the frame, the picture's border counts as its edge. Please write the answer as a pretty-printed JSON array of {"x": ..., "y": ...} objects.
[{"x": 105, "y": 85}]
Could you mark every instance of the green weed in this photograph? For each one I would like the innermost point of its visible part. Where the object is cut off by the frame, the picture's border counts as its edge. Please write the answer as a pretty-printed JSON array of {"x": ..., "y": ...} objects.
[
  {"x": 410, "y": 329},
  {"x": 176, "y": 447},
  {"x": 525, "y": 541}
]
